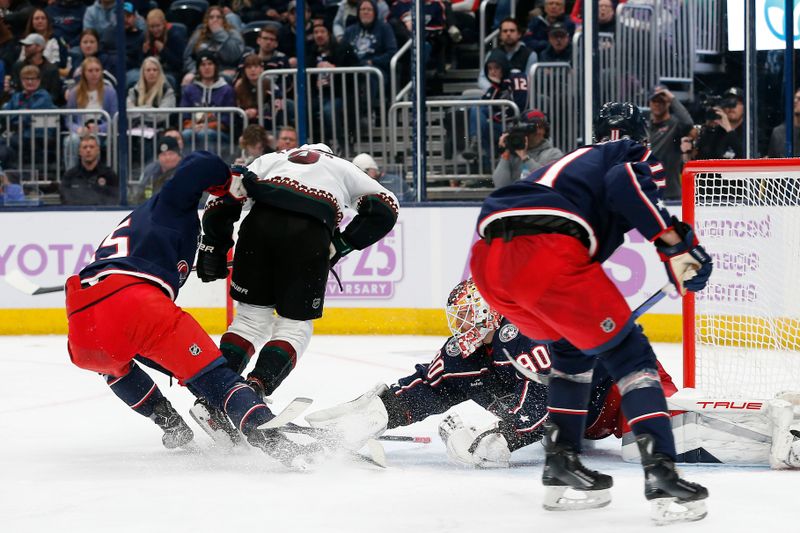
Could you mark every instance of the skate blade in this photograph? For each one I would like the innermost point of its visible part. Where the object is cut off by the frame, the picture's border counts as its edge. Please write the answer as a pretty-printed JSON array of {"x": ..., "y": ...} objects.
[
  {"x": 666, "y": 511},
  {"x": 203, "y": 417},
  {"x": 569, "y": 499}
]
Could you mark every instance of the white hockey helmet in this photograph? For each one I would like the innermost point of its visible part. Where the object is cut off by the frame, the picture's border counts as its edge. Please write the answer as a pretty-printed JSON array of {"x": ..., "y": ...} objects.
[
  {"x": 365, "y": 162},
  {"x": 319, "y": 147},
  {"x": 469, "y": 317}
]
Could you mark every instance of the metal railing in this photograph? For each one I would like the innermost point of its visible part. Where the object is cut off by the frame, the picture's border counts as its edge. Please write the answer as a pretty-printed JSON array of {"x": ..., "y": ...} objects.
[
  {"x": 393, "y": 74},
  {"x": 635, "y": 49},
  {"x": 707, "y": 16},
  {"x": 146, "y": 125},
  {"x": 38, "y": 147},
  {"x": 350, "y": 122},
  {"x": 447, "y": 139},
  {"x": 553, "y": 89},
  {"x": 483, "y": 39}
]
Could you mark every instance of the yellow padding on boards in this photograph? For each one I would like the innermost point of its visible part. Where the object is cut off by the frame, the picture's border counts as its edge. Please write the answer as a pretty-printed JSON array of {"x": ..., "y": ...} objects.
[{"x": 337, "y": 321}]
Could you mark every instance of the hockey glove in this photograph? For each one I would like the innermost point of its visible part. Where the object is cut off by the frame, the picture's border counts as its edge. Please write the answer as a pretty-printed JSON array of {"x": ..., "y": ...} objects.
[
  {"x": 687, "y": 263},
  {"x": 212, "y": 261},
  {"x": 466, "y": 446},
  {"x": 339, "y": 247}
]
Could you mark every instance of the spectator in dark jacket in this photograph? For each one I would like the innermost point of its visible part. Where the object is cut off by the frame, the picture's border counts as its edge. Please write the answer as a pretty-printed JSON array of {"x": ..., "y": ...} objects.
[
  {"x": 777, "y": 141},
  {"x": 67, "y": 17},
  {"x": 517, "y": 53},
  {"x": 134, "y": 50},
  {"x": 669, "y": 122},
  {"x": 372, "y": 39},
  {"x": 208, "y": 89},
  {"x": 559, "y": 45},
  {"x": 723, "y": 138},
  {"x": 90, "y": 182},
  {"x": 329, "y": 90},
  {"x": 165, "y": 42},
  {"x": 554, "y": 11},
  {"x": 287, "y": 37}
]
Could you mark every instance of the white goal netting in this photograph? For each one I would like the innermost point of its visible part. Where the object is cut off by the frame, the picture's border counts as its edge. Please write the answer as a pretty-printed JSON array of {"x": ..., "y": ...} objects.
[{"x": 747, "y": 320}]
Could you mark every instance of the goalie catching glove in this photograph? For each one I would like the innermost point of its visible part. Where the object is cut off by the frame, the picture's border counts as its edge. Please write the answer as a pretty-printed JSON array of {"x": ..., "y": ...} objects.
[
  {"x": 212, "y": 261},
  {"x": 467, "y": 446},
  {"x": 687, "y": 263}
]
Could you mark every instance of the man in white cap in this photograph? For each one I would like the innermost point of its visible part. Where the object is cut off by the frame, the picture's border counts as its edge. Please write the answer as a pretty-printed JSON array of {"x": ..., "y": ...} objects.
[
  {"x": 393, "y": 182},
  {"x": 34, "y": 55}
]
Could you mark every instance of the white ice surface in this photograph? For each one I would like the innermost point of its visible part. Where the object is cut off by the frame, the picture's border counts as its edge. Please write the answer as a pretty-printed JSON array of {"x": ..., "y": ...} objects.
[{"x": 73, "y": 458}]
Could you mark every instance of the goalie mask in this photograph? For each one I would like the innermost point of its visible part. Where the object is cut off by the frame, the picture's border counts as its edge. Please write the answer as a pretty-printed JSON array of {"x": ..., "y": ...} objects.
[{"x": 469, "y": 317}]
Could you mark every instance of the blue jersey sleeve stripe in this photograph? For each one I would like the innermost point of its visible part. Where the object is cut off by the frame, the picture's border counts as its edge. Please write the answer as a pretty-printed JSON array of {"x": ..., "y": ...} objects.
[{"x": 645, "y": 199}]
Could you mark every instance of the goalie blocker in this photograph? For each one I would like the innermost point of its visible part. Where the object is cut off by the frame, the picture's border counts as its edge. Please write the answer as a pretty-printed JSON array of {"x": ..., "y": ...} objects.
[{"x": 731, "y": 431}]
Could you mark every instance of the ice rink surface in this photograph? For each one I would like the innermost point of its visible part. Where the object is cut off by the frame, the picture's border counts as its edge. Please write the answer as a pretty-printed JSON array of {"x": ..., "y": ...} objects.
[{"x": 73, "y": 458}]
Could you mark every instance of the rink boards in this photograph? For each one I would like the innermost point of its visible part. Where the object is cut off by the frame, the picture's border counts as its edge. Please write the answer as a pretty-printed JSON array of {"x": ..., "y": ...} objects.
[{"x": 397, "y": 286}]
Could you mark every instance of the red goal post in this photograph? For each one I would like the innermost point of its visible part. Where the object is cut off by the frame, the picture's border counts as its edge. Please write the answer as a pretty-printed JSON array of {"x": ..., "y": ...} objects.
[{"x": 741, "y": 335}]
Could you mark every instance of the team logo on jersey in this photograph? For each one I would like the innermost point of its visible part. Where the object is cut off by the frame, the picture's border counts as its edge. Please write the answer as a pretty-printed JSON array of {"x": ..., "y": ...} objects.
[
  {"x": 508, "y": 332},
  {"x": 451, "y": 348},
  {"x": 608, "y": 325},
  {"x": 316, "y": 303},
  {"x": 183, "y": 270},
  {"x": 195, "y": 350}
]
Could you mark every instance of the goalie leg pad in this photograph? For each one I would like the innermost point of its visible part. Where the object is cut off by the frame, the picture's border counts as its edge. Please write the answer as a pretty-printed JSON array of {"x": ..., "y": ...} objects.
[{"x": 353, "y": 423}]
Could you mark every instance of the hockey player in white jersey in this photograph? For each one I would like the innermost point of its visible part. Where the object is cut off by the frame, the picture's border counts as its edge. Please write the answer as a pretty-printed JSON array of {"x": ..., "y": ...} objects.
[{"x": 287, "y": 243}]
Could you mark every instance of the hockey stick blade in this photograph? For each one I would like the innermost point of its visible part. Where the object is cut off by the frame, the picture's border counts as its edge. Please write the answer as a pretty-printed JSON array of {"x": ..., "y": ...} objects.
[
  {"x": 23, "y": 284},
  {"x": 644, "y": 307},
  {"x": 295, "y": 408}
]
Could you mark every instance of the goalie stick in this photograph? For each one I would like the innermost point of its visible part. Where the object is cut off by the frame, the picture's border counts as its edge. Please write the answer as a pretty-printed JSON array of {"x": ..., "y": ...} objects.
[
  {"x": 316, "y": 432},
  {"x": 16, "y": 279},
  {"x": 636, "y": 313}
]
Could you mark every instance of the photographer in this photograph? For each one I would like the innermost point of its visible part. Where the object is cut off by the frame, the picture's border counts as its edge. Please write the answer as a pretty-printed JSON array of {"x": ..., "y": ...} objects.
[
  {"x": 526, "y": 147},
  {"x": 722, "y": 136}
]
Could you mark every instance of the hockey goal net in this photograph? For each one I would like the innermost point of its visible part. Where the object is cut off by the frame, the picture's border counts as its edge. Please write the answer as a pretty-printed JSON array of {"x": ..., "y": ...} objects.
[{"x": 742, "y": 333}]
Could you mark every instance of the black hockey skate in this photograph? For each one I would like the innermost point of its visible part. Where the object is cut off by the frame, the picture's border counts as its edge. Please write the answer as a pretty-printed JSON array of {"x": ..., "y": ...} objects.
[
  {"x": 216, "y": 424},
  {"x": 176, "y": 432},
  {"x": 278, "y": 446},
  {"x": 672, "y": 498},
  {"x": 563, "y": 470}
]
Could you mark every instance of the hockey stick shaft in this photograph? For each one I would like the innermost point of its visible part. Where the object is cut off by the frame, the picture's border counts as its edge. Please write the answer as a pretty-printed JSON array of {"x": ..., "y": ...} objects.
[
  {"x": 389, "y": 438},
  {"x": 16, "y": 279},
  {"x": 644, "y": 307}
]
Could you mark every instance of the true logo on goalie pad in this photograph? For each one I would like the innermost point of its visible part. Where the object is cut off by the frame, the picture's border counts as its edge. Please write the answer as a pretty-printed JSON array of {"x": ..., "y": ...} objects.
[
  {"x": 608, "y": 325},
  {"x": 195, "y": 350},
  {"x": 508, "y": 332}
]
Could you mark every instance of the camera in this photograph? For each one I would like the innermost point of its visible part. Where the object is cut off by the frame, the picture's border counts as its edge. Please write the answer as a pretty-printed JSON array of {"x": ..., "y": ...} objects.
[
  {"x": 516, "y": 139},
  {"x": 708, "y": 103}
]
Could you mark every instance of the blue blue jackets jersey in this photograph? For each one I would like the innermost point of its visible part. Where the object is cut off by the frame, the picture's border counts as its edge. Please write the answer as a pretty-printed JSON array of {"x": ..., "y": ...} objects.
[
  {"x": 158, "y": 240},
  {"x": 488, "y": 378},
  {"x": 607, "y": 188}
]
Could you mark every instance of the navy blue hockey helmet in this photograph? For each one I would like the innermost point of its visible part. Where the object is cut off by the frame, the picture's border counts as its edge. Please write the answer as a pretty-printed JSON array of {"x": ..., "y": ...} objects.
[{"x": 617, "y": 120}]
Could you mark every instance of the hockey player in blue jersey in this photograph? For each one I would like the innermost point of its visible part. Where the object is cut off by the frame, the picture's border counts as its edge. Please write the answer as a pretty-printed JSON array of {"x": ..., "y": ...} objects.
[
  {"x": 122, "y": 304},
  {"x": 472, "y": 365},
  {"x": 544, "y": 239}
]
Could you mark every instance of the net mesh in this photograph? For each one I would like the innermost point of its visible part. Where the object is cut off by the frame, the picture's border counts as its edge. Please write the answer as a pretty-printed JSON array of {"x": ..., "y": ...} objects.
[{"x": 747, "y": 320}]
